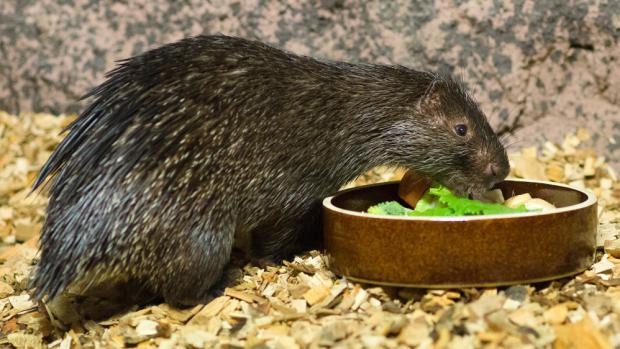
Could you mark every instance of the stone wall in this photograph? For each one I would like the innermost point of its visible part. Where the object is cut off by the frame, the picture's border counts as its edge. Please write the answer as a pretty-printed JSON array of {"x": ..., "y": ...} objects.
[{"x": 539, "y": 68}]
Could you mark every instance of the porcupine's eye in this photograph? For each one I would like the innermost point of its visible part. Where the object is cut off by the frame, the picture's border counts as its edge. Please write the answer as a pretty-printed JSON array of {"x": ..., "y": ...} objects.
[{"x": 461, "y": 130}]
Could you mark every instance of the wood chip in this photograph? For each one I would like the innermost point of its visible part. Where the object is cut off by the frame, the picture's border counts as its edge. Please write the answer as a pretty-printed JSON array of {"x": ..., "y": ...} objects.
[
  {"x": 486, "y": 304},
  {"x": 239, "y": 295},
  {"x": 612, "y": 247},
  {"x": 196, "y": 337},
  {"x": 556, "y": 315},
  {"x": 298, "y": 291},
  {"x": 66, "y": 342},
  {"x": 5, "y": 290},
  {"x": 316, "y": 294},
  {"x": 604, "y": 265},
  {"x": 523, "y": 317},
  {"x": 555, "y": 173},
  {"x": 25, "y": 230},
  {"x": 21, "y": 303},
  {"x": 360, "y": 297},
  {"x": 415, "y": 334},
  {"x": 183, "y": 315},
  {"x": 147, "y": 328},
  {"x": 23, "y": 340},
  {"x": 332, "y": 332},
  {"x": 530, "y": 167},
  {"x": 582, "y": 334},
  {"x": 301, "y": 303},
  {"x": 210, "y": 310}
]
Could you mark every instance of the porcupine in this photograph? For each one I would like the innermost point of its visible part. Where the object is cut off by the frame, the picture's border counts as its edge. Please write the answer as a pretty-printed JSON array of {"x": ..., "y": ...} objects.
[{"x": 189, "y": 144}]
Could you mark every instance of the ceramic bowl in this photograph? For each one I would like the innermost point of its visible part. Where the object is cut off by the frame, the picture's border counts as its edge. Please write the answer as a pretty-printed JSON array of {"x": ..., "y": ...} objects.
[{"x": 468, "y": 251}]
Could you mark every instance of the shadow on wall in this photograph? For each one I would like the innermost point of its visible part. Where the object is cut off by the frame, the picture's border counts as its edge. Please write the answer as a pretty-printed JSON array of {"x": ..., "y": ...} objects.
[{"x": 539, "y": 68}]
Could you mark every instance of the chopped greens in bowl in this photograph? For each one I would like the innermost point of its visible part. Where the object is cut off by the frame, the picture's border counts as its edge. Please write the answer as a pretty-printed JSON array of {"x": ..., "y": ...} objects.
[{"x": 440, "y": 201}]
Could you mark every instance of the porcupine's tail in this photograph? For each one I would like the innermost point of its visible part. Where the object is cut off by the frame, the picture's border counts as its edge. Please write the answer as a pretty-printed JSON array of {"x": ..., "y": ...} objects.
[{"x": 70, "y": 168}]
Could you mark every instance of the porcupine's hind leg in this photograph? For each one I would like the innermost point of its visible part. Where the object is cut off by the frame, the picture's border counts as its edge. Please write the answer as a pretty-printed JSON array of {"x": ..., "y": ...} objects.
[
  {"x": 196, "y": 269},
  {"x": 177, "y": 254}
]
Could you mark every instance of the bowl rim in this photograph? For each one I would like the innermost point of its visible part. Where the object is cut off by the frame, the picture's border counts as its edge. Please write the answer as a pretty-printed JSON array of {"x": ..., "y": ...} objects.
[{"x": 591, "y": 199}]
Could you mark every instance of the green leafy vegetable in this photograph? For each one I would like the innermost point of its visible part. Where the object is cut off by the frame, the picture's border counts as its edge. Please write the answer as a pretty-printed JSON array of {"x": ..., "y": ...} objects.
[
  {"x": 391, "y": 208},
  {"x": 440, "y": 201},
  {"x": 435, "y": 211}
]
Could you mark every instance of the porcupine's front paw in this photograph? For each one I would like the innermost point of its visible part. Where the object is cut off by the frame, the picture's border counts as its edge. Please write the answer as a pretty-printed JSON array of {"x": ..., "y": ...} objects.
[
  {"x": 231, "y": 275},
  {"x": 97, "y": 301},
  {"x": 264, "y": 262}
]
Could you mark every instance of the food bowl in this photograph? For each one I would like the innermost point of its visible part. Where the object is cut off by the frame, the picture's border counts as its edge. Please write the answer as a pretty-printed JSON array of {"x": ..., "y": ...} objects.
[{"x": 467, "y": 251}]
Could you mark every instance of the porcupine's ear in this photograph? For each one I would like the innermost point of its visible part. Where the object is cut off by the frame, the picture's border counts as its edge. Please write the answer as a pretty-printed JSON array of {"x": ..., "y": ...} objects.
[{"x": 432, "y": 98}]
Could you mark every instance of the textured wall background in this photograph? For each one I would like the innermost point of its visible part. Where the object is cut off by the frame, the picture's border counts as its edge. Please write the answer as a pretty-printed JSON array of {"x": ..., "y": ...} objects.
[{"x": 540, "y": 68}]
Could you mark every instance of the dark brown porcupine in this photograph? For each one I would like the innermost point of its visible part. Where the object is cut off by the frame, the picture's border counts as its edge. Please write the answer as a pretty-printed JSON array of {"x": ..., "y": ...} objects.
[{"x": 189, "y": 144}]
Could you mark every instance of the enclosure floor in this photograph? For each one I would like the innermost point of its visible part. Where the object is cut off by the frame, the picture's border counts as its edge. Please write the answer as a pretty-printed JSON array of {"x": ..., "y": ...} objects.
[{"x": 301, "y": 304}]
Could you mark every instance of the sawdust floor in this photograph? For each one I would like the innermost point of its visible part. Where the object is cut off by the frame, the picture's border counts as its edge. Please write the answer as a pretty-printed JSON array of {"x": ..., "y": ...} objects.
[{"x": 301, "y": 304}]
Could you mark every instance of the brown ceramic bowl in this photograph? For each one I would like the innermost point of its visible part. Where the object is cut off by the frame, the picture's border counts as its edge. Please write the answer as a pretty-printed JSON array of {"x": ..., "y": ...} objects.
[{"x": 469, "y": 251}]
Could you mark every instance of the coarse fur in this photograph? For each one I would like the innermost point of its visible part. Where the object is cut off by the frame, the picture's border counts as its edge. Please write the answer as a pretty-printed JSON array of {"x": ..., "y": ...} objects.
[{"x": 189, "y": 144}]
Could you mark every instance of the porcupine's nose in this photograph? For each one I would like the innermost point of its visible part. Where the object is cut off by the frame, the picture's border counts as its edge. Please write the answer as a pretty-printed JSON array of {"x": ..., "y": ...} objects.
[{"x": 494, "y": 173}]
